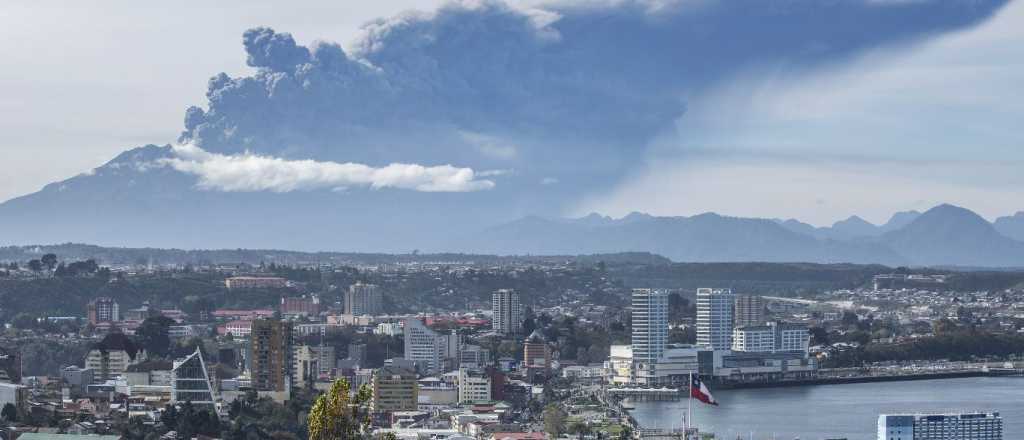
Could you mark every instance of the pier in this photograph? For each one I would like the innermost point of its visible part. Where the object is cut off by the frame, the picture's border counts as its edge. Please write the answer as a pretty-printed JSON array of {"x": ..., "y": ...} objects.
[{"x": 645, "y": 394}]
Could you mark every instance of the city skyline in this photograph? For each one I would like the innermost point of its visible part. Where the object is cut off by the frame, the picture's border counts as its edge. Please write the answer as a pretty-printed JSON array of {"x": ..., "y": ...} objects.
[{"x": 512, "y": 220}]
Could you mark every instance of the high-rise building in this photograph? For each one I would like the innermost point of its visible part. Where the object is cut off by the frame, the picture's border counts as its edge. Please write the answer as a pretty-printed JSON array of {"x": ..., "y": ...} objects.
[
  {"x": 962, "y": 426},
  {"x": 715, "y": 318},
  {"x": 508, "y": 316},
  {"x": 649, "y": 317},
  {"x": 190, "y": 381},
  {"x": 103, "y": 309},
  {"x": 310, "y": 362},
  {"x": 749, "y": 310},
  {"x": 427, "y": 348},
  {"x": 772, "y": 337},
  {"x": 357, "y": 353},
  {"x": 536, "y": 353},
  {"x": 363, "y": 299},
  {"x": 271, "y": 362},
  {"x": 394, "y": 389}
]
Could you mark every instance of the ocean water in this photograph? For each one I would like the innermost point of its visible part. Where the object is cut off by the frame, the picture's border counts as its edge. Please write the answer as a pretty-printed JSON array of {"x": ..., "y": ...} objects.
[{"x": 839, "y": 411}]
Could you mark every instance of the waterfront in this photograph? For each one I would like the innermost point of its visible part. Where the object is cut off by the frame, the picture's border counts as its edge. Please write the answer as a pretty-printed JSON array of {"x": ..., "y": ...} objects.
[{"x": 848, "y": 410}]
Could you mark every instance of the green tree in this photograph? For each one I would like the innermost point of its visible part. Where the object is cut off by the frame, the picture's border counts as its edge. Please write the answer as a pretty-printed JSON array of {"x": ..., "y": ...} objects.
[
  {"x": 554, "y": 420},
  {"x": 336, "y": 416},
  {"x": 529, "y": 325},
  {"x": 24, "y": 321},
  {"x": 944, "y": 326},
  {"x": 9, "y": 413},
  {"x": 49, "y": 260},
  {"x": 35, "y": 265},
  {"x": 153, "y": 335},
  {"x": 626, "y": 433},
  {"x": 819, "y": 336}
]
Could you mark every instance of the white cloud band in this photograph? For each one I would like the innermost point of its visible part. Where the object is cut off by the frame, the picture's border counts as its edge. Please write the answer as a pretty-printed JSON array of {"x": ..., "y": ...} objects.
[{"x": 250, "y": 173}]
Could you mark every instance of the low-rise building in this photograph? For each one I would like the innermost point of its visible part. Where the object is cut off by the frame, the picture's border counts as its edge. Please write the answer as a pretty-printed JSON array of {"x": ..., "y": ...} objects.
[
  {"x": 111, "y": 357},
  {"x": 255, "y": 283},
  {"x": 300, "y": 306},
  {"x": 960, "y": 426},
  {"x": 474, "y": 387},
  {"x": 394, "y": 389},
  {"x": 771, "y": 338},
  {"x": 536, "y": 352}
]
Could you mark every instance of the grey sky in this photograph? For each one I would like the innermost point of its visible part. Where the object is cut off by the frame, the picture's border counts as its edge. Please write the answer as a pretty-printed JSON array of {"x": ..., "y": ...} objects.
[
  {"x": 84, "y": 81},
  {"x": 902, "y": 129}
]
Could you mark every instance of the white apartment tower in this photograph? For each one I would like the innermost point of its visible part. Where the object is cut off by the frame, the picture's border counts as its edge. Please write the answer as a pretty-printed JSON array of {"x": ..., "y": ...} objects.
[
  {"x": 715, "y": 309},
  {"x": 649, "y": 316},
  {"x": 508, "y": 315},
  {"x": 428, "y": 348}
]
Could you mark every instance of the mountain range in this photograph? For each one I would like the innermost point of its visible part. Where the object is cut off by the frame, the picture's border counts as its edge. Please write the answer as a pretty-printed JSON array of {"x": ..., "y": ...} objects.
[
  {"x": 133, "y": 201},
  {"x": 943, "y": 235}
]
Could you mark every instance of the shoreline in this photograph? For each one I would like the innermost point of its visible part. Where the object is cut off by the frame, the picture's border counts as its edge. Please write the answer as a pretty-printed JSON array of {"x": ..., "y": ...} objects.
[{"x": 864, "y": 379}]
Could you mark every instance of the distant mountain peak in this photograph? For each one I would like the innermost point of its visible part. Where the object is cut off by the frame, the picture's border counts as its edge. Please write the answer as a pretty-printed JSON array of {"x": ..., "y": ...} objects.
[
  {"x": 949, "y": 211},
  {"x": 853, "y": 220},
  {"x": 635, "y": 216},
  {"x": 951, "y": 233},
  {"x": 900, "y": 219},
  {"x": 1011, "y": 226}
]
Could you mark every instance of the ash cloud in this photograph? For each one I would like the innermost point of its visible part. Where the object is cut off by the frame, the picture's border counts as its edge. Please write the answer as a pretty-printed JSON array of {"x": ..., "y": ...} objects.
[{"x": 586, "y": 85}]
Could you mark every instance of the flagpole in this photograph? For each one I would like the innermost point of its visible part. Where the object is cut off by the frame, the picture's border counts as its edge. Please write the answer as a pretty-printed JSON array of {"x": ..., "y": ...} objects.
[{"x": 689, "y": 405}]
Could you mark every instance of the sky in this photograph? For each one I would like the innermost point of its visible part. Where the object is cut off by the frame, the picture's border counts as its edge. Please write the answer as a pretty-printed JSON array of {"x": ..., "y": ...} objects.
[
  {"x": 891, "y": 129},
  {"x": 96, "y": 78},
  {"x": 897, "y": 129}
]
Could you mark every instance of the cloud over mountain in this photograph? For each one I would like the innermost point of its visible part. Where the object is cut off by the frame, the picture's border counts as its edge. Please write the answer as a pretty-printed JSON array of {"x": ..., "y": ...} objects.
[
  {"x": 560, "y": 100},
  {"x": 248, "y": 172}
]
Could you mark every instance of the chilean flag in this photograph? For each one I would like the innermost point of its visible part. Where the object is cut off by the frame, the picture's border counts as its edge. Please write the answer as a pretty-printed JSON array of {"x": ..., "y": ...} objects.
[{"x": 701, "y": 392}]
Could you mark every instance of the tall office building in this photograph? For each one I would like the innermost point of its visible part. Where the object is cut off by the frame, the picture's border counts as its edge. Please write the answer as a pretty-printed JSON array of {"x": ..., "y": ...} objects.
[
  {"x": 103, "y": 309},
  {"x": 749, "y": 310},
  {"x": 508, "y": 316},
  {"x": 363, "y": 299},
  {"x": 649, "y": 317},
  {"x": 715, "y": 318},
  {"x": 428, "y": 348},
  {"x": 271, "y": 341},
  {"x": 190, "y": 381},
  {"x": 309, "y": 362},
  {"x": 964, "y": 426}
]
